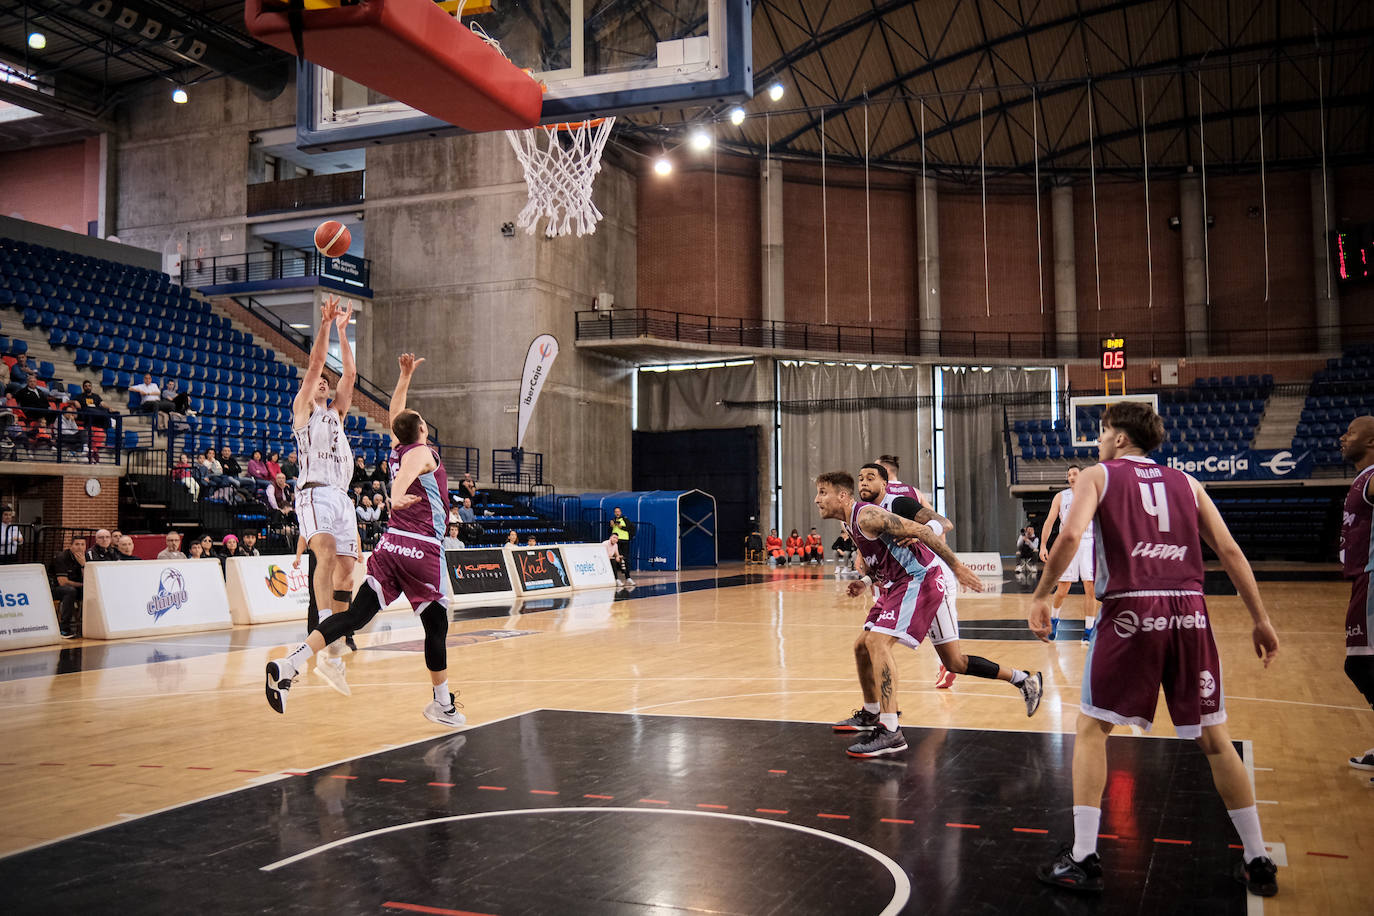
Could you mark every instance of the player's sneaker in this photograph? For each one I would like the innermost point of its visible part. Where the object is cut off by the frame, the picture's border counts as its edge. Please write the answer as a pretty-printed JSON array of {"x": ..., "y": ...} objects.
[
  {"x": 879, "y": 743},
  {"x": 1063, "y": 871},
  {"x": 1259, "y": 875},
  {"x": 861, "y": 721},
  {"x": 629, "y": 583},
  {"x": 450, "y": 717},
  {"x": 277, "y": 687},
  {"x": 1032, "y": 689},
  {"x": 944, "y": 679},
  {"x": 348, "y": 641},
  {"x": 1364, "y": 762},
  {"x": 332, "y": 670},
  {"x": 1054, "y": 628}
]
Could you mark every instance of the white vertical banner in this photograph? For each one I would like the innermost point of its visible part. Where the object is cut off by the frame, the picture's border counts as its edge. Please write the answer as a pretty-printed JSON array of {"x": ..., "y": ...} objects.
[{"x": 538, "y": 362}]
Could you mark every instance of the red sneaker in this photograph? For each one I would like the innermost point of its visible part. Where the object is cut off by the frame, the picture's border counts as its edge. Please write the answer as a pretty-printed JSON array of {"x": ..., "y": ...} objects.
[{"x": 945, "y": 678}]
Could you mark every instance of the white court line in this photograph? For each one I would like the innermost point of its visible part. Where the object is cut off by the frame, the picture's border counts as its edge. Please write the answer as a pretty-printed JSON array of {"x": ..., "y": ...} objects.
[
  {"x": 901, "y": 894},
  {"x": 1265, "y": 801}
]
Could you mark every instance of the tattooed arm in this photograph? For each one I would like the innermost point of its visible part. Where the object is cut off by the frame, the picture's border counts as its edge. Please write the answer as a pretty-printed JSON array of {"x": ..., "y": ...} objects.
[{"x": 874, "y": 522}]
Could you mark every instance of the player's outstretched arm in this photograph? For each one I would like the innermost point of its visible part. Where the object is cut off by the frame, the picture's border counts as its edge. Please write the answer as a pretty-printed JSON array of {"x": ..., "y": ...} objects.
[
  {"x": 305, "y": 397},
  {"x": 343, "y": 397},
  {"x": 408, "y": 362},
  {"x": 874, "y": 521},
  {"x": 1213, "y": 529}
]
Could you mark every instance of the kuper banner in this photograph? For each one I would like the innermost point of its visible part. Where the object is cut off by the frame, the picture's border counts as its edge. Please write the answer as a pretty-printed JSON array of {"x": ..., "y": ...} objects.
[
  {"x": 1247, "y": 464},
  {"x": 267, "y": 589},
  {"x": 26, "y": 612},
  {"x": 480, "y": 571},
  {"x": 538, "y": 361},
  {"x": 148, "y": 597},
  {"x": 539, "y": 570}
]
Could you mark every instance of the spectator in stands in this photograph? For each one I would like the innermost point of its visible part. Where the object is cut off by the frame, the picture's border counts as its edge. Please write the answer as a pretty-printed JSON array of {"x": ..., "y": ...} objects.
[
  {"x": 381, "y": 471},
  {"x": 196, "y": 551},
  {"x": 368, "y": 515},
  {"x": 844, "y": 552},
  {"x": 88, "y": 396},
  {"x": 273, "y": 465},
  {"x": 281, "y": 499},
  {"x": 182, "y": 471},
  {"x": 174, "y": 400},
  {"x": 103, "y": 549},
  {"x": 234, "y": 471},
  {"x": 11, "y": 536},
  {"x": 32, "y": 398},
  {"x": 248, "y": 547},
  {"x": 70, "y": 435},
  {"x": 452, "y": 540},
  {"x": 361, "y": 475},
  {"x": 207, "y": 546},
  {"x": 20, "y": 373},
  {"x": 465, "y": 513},
  {"x": 173, "y": 549},
  {"x": 815, "y": 550},
  {"x": 1027, "y": 549},
  {"x": 531, "y": 542},
  {"x": 512, "y": 539},
  {"x": 149, "y": 391},
  {"x": 68, "y": 570},
  {"x": 777, "y": 555},
  {"x": 356, "y": 494},
  {"x": 4, "y": 376},
  {"x": 378, "y": 493},
  {"x": 622, "y": 575},
  {"x": 229, "y": 548},
  {"x": 467, "y": 487},
  {"x": 257, "y": 468},
  {"x": 290, "y": 468},
  {"x": 795, "y": 547},
  {"x": 124, "y": 548},
  {"x": 211, "y": 474},
  {"x": 453, "y": 510}
]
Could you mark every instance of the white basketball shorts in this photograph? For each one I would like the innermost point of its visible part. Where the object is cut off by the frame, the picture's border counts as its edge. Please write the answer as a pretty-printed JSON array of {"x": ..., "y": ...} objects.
[
  {"x": 945, "y": 627},
  {"x": 328, "y": 510},
  {"x": 1080, "y": 568}
]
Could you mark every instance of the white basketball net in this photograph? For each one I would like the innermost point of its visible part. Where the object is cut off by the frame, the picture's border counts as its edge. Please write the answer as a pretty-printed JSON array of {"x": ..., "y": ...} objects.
[{"x": 561, "y": 162}]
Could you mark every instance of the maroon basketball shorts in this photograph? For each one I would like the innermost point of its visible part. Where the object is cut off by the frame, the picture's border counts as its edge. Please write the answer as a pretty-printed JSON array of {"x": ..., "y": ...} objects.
[
  {"x": 1147, "y": 640},
  {"x": 408, "y": 564},
  {"x": 1359, "y": 617},
  {"x": 905, "y": 609}
]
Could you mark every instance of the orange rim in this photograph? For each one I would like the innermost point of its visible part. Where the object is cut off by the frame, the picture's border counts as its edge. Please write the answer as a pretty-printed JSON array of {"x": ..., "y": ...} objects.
[{"x": 571, "y": 125}]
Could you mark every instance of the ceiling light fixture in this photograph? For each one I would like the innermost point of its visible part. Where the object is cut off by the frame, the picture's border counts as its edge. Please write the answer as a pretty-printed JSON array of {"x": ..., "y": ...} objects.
[
  {"x": 179, "y": 95},
  {"x": 663, "y": 166},
  {"x": 38, "y": 41},
  {"x": 700, "y": 140},
  {"x": 737, "y": 116},
  {"x": 775, "y": 91}
]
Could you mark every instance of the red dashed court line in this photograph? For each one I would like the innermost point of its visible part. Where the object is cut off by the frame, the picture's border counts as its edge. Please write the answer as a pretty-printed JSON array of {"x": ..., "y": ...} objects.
[
  {"x": 542, "y": 792},
  {"x": 715, "y": 807},
  {"x": 652, "y": 801},
  {"x": 966, "y": 826},
  {"x": 777, "y": 771},
  {"x": 1108, "y": 836},
  {"x": 833, "y": 817},
  {"x": 896, "y": 820},
  {"x": 157, "y": 766},
  {"x": 771, "y": 810},
  {"x": 438, "y": 911},
  {"x": 248, "y": 771},
  {"x": 1028, "y": 830},
  {"x": 442, "y": 785},
  {"x": 1234, "y": 846},
  {"x": 1174, "y": 842},
  {"x": 200, "y": 768},
  {"x": 337, "y": 776},
  {"x": 602, "y": 797},
  {"x": 493, "y": 788},
  {"x": 296, "y": 772},
  {"x": 52, "y": 764},
  {"x": 100, "y": 764},
  {"x": 391, "y": 780},
  {"x": 1328, "y": 855}
]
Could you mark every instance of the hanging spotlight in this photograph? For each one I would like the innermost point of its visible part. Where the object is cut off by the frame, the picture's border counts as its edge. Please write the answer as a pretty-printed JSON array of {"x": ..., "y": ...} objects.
[
  {"x": 700, "y": 140},
  {"x": 663, "y": 166},
  {"x": 737, "y": 116},
  {"x": 775, "y": 91},
  {"x": 179, "y": 95},
  {"x": 38, "y": 41}
]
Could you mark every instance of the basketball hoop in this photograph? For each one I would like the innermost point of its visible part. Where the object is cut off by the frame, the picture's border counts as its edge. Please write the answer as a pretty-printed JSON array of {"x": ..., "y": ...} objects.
[{"x": 561, "y": 162}]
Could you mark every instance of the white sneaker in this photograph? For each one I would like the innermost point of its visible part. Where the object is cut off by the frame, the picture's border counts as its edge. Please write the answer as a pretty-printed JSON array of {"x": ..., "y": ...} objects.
[
  {"x": 450, "y": 717},
  {"x": 629, "y": 581},
  {"x": 332, "y": 670}
]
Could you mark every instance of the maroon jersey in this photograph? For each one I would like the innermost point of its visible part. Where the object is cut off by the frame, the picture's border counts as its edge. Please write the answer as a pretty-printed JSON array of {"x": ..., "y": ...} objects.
[
  {"x": 1356, "y": 556},
  {"x": 895, "y": 488},
  {"x": 888, "y": 562},
  {"x": 429, "y": 516},
  {"x": 1147, "y": 531}
]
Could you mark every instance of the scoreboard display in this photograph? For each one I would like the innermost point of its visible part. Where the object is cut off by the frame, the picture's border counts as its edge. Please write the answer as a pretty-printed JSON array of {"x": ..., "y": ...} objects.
[
  {"x": 1354, "y": 254},
  {"x": 1113, "y": 354}
]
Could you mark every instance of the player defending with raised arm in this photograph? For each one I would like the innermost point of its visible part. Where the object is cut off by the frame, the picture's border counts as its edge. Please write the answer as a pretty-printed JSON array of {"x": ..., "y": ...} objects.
[
  {"x": 900, "y": 555},
  {"x": 325, "y": 513},
  {"x": 1154, "y": 632},
  {"x": 408, "y": 560}
]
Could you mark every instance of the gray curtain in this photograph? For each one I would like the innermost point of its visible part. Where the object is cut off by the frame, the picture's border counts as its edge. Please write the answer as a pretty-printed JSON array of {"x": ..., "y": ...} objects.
[{"x": 977, "y": 489}]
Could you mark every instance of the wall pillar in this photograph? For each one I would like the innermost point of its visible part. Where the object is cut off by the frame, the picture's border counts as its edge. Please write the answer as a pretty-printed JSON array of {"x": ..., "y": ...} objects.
[
  {"x": 770, "y": 240},
  {"x": 928, "y": 265},
  {"x": 1065, "y": 276},
  {"x": 1192, "y": 232},
  {"x": 1323, "y": 263}
]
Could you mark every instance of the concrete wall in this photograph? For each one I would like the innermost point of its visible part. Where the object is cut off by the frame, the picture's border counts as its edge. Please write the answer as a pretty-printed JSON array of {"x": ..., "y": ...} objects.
[{"x": 450, "y": 287}]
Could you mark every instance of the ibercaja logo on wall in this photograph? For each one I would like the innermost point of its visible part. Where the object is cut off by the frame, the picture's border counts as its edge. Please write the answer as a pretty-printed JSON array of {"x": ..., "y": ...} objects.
[
  {"x": 477, "y": 571},
  {"x": 171, "y": 593},
  {"x": 540, "y": 568}
]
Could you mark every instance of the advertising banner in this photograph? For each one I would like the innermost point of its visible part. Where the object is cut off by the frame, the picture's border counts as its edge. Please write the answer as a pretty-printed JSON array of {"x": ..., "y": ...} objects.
[
  {"x": 1246, "y": 464},
  {"x": 478, "y": 573},
  {"x": 988, "y": 566},
  {"x": 27, "y": 617},
  {"x": 587, "y": 565},
  {"x": 538, "y": 361},
  {"x": 267, "y": 589},
  {"x": 150, "y": 597},
  {"x": 539, "y": 570}
]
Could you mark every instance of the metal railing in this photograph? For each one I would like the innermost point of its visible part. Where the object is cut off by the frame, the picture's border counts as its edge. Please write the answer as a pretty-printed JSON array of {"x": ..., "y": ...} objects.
[
  {"x": 72, "y": 437},
  {"x": 37, "y": 543},
  {"x": 313, "y": 191},
  {"x": 517, "y": 469},
  {"x": 628, "y": 324},
  {"x": 256, "y": 266},
  {"x": 460, "y": 460}
]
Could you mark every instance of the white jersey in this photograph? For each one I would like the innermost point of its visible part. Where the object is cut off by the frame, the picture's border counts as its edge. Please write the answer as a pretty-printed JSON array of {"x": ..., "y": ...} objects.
[
  {"x": 1065, "y": 503},
  {"x": 325, "y": 457}
]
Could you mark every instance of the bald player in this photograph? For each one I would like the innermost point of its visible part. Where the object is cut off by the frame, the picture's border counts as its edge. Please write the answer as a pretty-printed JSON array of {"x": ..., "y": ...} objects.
[{"x": 1357, "y": 561}]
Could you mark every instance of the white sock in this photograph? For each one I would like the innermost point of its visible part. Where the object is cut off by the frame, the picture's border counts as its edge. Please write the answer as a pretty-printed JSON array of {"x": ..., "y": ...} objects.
[
  {"x": 1086, "y": 819},
  {"x": 1248, "y": 826},
  {"x": 1018, "y": 677},
  {"x": 1054, "y": 612},
  {"x": 441, "y": 695},
  {"x": 871, "y": 707},
  {"x": 889, "y": 720},
  {"x": 1088, "y": 624},
  {"x": 296, "y": 661},
  {"x": 325, "y": 613}
]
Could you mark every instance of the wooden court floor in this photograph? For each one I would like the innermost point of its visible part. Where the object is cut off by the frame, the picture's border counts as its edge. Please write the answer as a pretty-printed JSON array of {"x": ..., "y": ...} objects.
[{"x": 96, "y": 734}]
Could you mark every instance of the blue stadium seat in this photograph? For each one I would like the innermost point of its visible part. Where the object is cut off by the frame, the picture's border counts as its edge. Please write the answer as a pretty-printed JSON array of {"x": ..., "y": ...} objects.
[
  {"x": 83, "y": 358},
  {"x": 122, "y": 380},
  {"x": 107, "y": 378}
]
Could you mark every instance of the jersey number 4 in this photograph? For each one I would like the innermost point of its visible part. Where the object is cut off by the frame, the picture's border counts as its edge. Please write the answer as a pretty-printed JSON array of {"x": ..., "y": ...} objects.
[{"x": 1152, "y": 498}]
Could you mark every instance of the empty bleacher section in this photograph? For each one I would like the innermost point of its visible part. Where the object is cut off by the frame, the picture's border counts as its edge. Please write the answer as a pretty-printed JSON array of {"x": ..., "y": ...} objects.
[{"x": 1339, "y": 393}]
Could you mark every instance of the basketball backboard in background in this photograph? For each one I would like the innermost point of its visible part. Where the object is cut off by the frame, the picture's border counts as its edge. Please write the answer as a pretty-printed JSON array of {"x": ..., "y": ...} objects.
[
  {"x": 1085, "y": 414},
  {"x": 597, "y": 58}
]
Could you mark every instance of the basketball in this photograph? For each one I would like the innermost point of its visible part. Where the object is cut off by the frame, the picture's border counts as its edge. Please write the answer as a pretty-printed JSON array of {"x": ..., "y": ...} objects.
[
  {"x": 332, "y": 238},
  {"x": 276, "y": 581}
]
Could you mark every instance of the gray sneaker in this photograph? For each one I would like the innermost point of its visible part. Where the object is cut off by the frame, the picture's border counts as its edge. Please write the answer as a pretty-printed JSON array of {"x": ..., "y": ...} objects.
[
  {"x": 880, "y": 742},
  {"x": 450, "y": 717},
  {"x": 1032, "y": 689},
  {"x": 332, "y": 670}
]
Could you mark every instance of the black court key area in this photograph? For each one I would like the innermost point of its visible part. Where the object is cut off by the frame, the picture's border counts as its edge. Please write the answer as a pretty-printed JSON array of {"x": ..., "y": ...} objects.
[{"x": 560, "y": 812}]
